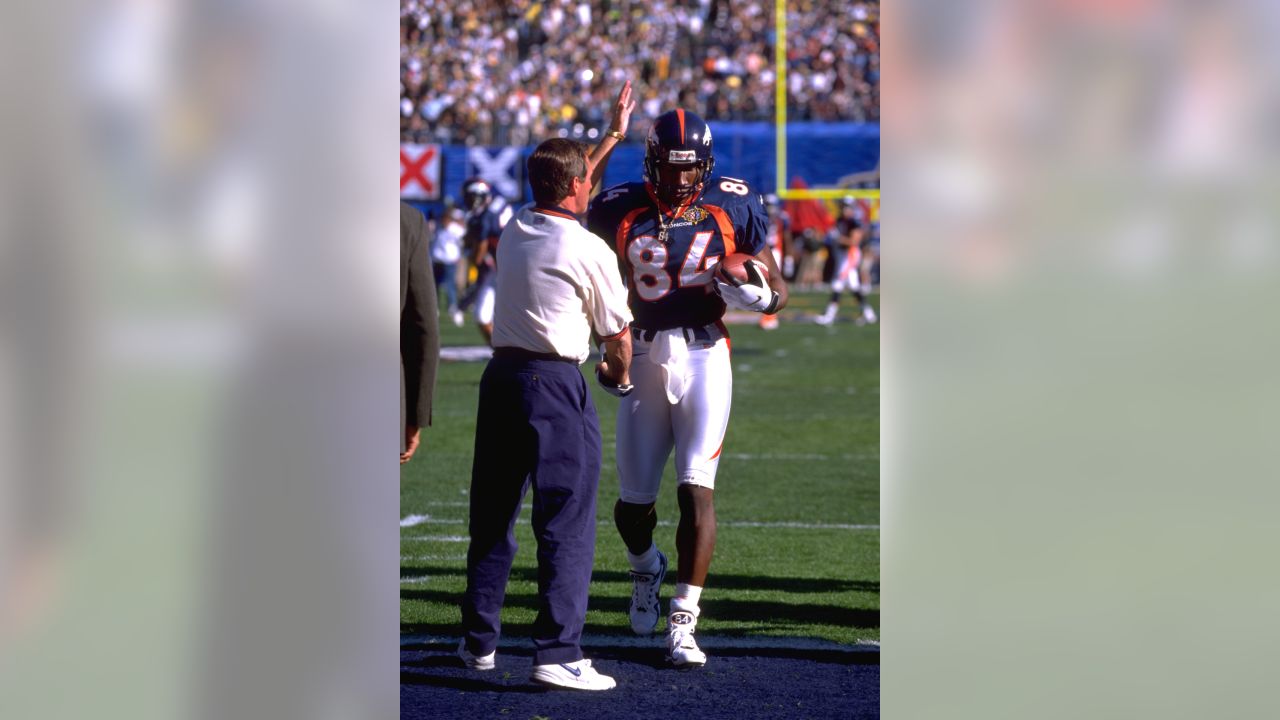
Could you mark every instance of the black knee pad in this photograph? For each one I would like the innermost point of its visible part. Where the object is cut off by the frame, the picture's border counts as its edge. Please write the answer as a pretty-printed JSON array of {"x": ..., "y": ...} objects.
[{"x": 630, "y": 518}]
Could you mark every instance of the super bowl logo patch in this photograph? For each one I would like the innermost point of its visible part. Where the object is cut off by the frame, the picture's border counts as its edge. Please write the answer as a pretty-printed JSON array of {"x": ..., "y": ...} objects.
[{"x": 694, "y": 215}]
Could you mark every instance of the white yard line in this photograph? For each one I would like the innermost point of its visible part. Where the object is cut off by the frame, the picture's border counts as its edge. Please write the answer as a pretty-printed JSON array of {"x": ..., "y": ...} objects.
[
  {"x": 789, "y": 525},
  {"x": 415, "y": 520},
  {"x": 658, "y": 641},
  {"x": 782, "y": 524}
]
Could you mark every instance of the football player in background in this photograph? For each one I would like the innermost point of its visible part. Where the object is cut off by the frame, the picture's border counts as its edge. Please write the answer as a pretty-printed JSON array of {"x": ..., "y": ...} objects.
[
  {"x": 446, "y": 251},
  {"x": 867, "y": 271},
  {"x": 847, "y": 248},
  {"x": 487, "y": 214},
  {"x": 779, "y": 244},
  {"x": 669, "y": 232}
]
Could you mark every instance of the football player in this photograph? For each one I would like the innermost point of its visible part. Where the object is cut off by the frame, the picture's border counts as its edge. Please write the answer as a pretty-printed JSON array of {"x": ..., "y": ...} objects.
[
  {"x": 487, "y": 214},
  {"x": 669, "y": 232},
  {"x": 847, "y": 251}
]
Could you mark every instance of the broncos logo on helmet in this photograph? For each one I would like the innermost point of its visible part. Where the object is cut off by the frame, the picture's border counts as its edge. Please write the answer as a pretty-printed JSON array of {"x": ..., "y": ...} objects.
[{"x": 678, "y": 142}]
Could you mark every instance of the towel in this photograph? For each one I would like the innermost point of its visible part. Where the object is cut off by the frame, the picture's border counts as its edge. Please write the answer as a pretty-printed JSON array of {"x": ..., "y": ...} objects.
[{"x": 670, "y": 352}]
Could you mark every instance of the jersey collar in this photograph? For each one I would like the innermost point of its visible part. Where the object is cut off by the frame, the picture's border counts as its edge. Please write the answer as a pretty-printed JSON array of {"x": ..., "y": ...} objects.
[
  {"x": 556, "y": 211},
  {"x": 664, "y": 208}
]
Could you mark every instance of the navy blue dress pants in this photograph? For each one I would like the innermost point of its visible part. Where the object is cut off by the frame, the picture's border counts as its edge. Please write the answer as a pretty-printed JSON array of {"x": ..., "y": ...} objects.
[{"x": 536, "y": 426}]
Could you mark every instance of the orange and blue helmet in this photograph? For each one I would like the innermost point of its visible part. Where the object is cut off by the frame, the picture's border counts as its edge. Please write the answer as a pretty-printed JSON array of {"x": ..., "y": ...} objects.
[{"x": 682, "y": 139}]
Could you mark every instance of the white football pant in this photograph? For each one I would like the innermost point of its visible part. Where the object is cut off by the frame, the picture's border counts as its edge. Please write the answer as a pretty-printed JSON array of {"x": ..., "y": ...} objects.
[
  {"x": 650, "y": 425},
  {"x": 846, "y": 277},
  {"x": 485, "y": 301}
]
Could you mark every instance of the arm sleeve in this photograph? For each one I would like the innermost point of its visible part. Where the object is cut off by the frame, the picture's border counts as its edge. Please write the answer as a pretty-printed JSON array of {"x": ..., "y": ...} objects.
[
  {"x": 419, "y": 332},
  {"x": 606, "y": 296}
]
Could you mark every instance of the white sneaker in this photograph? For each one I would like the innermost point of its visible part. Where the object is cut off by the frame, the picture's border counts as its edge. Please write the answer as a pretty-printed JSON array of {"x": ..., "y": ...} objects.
[
  {"x": 575, "y": 675},
  {"x": 682, "y": 651},
  {"x": 475, "y": 662},
  {"x": 869, "y": 314},
  {"x": 645, "y": 609},
  {"x": 825, "y": 318},
  {"x": 458, "y": 318}
]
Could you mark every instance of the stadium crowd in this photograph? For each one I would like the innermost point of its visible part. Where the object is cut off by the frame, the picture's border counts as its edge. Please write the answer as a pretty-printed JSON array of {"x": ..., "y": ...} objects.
[{"x": 512, "y": 73}]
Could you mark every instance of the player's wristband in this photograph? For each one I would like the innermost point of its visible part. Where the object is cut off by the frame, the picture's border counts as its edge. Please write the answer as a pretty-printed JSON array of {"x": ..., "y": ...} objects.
[{"x": 612, "y": 387}]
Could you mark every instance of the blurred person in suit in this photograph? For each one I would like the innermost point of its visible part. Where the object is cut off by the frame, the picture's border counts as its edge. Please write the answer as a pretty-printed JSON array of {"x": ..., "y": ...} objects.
[{"x": 419, "y": 331}]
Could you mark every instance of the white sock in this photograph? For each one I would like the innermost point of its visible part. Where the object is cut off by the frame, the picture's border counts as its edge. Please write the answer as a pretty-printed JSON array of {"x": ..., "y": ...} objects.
[
  {"x": 686, "y": 598},
  {"x": 646, "y": 562}
]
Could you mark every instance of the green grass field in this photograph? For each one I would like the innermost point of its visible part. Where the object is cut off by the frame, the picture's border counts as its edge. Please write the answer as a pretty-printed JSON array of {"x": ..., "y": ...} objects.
[{"x": 797, "y": 496}]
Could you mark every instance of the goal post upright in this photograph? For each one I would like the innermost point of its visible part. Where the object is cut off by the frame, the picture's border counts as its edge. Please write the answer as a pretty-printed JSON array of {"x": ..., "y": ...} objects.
[{"x": 780, "y": 123}]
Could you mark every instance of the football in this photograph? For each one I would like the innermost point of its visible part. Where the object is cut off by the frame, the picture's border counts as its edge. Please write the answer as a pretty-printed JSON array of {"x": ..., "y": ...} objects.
[{"x": 732, "y": 269}]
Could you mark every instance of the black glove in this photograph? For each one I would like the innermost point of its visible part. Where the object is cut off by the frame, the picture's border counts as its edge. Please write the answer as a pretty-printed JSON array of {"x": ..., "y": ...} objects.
[{"x": 612, "y": 387}]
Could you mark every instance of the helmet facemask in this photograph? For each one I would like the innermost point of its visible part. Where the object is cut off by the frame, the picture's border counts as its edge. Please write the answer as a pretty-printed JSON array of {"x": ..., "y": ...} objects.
[
  {"x": 475, "y": 197},
  {"x": 679, "y": 143},
  {"x": 668, "y": 184}
]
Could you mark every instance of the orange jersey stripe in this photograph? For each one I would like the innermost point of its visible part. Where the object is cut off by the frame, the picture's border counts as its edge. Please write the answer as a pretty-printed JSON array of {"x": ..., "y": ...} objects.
[
  {"x": 624, "y": 229},
  {"x": 726, "y": 228}
]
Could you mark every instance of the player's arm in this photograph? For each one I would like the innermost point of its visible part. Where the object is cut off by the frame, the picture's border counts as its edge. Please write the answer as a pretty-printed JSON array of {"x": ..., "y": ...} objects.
[
  {"x": 754, "y": 295},
  {"x": 610, "y": 320},
  {"x": 614, "y": 373},
  {"x": 856, "y": 234},
  {"x": 777, "y": 283},
  {"x": 786, "y": 240},
  {"x": 621, "y": 122},
  {"x": 478, "y": 252}
]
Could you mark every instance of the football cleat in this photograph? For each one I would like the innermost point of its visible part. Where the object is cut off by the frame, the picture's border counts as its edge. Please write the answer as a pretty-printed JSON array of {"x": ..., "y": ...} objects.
[
  {"x": 682, "y": 651},
  {"x": 645, "y": 608},
  {"x": 829, "y": 315},
  {"x": 475, "y": 662},
  {"x": 575, "y": 676}
]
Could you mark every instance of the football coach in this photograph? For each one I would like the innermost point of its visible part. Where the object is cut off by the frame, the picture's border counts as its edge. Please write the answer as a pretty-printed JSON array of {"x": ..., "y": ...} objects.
[{"x": 557, "y": 285}]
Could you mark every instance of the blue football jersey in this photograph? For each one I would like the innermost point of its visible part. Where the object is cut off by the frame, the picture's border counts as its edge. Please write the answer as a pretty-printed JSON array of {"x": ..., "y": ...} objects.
[
  {"x": 669, "y": 279},
  {"x": 487, "y": 224}
]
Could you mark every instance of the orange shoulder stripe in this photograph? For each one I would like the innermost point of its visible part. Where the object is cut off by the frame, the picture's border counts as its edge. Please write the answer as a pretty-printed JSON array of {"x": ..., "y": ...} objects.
[
  {"x": 726, "y": 228},
  {"x": 624, "y": 229}
]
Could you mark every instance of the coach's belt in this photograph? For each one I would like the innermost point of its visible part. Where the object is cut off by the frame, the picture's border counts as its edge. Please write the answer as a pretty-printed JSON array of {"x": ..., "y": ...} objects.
[
  {"x": 706, "y": 333},
  {"x": 515, "y": 353}
]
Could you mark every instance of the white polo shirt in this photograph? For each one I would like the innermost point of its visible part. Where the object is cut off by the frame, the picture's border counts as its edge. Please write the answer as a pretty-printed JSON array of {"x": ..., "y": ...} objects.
[{"x": 555, "y": 283}]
